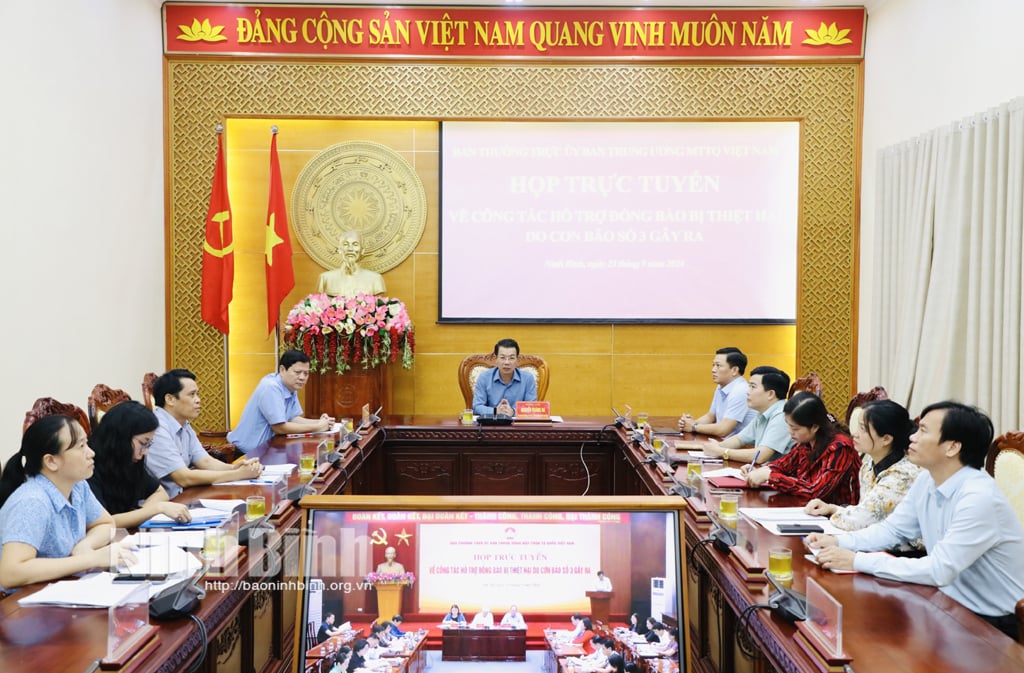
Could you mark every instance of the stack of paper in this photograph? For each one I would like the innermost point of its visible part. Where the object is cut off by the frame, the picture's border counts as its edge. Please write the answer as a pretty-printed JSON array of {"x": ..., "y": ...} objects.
[
  {"x": 771, "y": 517},
  {"x": 202, "y": 517}
]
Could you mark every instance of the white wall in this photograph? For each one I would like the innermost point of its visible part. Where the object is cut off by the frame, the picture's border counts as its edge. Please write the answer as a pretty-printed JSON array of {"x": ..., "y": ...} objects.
[
  {"x": 928, "y": 62},
  {"x": 82, "y": 192}
]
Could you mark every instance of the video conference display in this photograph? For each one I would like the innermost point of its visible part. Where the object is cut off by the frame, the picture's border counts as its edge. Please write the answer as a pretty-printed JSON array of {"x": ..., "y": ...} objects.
[
  {"x": 542, "y": 561},
  {"x": 619, "y": 221}
]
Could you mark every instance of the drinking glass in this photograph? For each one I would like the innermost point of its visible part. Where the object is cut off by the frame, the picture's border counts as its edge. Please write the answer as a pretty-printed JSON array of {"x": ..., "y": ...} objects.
[
  {"x": 780, "y": 562},
  {"x": 255, "y": 507}
]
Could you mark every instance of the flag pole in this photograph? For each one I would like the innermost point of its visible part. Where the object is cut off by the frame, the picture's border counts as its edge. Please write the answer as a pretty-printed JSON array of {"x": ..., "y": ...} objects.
[{"x": 224, "y": 344}]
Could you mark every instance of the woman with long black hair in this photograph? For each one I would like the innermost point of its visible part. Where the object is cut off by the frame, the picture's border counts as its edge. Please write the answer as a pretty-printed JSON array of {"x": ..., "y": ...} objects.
[
  {"x": 120, "y": 480},
  {"x": 822, "y": 464}
]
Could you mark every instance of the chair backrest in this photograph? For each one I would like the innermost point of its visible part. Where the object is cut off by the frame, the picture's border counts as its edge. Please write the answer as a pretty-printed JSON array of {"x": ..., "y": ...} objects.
[
  {"x": 47, "y": 406},
  {"x": 808, "y": 384},
  {"x": 473, "y": 365},
  {"x": 102, "y": 399},
  {"x": 1005, "y": 462},
  {"x": 1020, "y": 621},
  {"x": 311, "y": 630},
  {"x": 860, "y": 399},
  {"x": 147, "y": 390}
]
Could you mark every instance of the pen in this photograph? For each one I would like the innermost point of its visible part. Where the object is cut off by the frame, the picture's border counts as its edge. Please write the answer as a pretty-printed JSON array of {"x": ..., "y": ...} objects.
[{"x": 753, "y": 461}]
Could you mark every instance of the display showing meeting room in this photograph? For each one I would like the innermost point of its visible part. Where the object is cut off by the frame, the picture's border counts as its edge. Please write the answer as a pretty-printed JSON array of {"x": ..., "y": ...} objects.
[{"x": 543, "y": 562}]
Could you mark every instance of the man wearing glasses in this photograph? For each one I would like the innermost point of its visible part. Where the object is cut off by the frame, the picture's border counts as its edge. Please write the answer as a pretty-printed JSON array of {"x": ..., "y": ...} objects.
[
  {"x": 274, "y": 406},
  {"x": 498, "y": 389}
]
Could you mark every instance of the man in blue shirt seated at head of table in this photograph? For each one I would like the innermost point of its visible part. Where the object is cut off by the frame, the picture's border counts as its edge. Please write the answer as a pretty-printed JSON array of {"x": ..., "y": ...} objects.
[
  {"x": 498, "y": 389},
  {"x": 974, "y": 540},
  {"x": 274, "y": 407}
]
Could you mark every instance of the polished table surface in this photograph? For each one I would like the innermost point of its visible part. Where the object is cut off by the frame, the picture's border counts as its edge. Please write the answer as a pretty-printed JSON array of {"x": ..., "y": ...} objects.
[{"x": 888, "y": 626}]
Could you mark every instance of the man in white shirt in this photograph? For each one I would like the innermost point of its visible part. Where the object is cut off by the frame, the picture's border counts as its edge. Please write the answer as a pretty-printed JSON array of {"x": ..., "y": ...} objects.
[
  {"x": 729, "y": 412},
  {"x": 513, "y": 618},
  {"x": 483, "y": 619},
  {"x": 974, "y": 540},
  {"x": 602, "y": 583}
]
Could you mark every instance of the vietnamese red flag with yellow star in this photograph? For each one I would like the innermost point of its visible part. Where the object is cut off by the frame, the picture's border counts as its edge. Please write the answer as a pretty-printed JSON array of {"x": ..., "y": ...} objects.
[
  {"x": 218, "y": 249},
  {"x": 280, "y": 276}
]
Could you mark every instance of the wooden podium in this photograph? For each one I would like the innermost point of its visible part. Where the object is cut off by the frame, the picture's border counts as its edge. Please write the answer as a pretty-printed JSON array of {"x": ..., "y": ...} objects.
[
  {"x": 389, "y": 599},
  {"x": 343, "y": 395},
  {"x": 600, "y": 605}
]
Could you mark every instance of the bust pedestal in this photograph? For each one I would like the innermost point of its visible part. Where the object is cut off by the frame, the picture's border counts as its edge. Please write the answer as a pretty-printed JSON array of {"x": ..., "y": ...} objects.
[
  {"x": 389, "y": 599},
  {"x": 345, "y": 394}
]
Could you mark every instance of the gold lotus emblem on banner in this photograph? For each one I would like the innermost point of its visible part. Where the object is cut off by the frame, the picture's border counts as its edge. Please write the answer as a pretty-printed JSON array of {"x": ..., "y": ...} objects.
[{"x": 362, "y": 186}]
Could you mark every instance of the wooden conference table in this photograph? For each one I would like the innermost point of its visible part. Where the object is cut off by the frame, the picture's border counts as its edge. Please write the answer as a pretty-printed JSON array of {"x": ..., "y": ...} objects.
[
  {"x": 483, "y": 644},
  {"x": 250, "y": 614}
]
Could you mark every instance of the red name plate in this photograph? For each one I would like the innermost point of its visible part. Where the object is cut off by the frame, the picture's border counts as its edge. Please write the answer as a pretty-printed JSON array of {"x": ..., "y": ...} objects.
[{"x": 533, "y": 411}]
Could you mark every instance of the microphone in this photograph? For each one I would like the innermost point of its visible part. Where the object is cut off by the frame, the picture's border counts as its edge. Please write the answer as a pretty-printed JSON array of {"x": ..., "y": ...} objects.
[
  {"x": 620, "y": 420},
  {"x": 298, "y": 491},
  {"x": 354, "y": 436},
  {"x": 683, "y": 490},
  {"x": 374, "y": 418},
  {"x": 788, "y": 604},
  {"x": 722, "y": 536}
]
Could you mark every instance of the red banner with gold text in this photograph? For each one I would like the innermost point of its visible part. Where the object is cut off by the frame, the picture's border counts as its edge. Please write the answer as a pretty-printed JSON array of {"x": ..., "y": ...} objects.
[{"x": 513, "y": 32}]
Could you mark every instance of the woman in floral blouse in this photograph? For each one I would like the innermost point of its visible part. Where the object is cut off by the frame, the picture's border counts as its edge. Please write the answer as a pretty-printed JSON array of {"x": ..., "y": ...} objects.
[
  {"x": 881, "y": 436},
  {"x": 822, "y": 464}
]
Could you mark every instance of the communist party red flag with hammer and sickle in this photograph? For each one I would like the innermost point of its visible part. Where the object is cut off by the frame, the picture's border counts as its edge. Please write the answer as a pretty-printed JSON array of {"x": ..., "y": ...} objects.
[{"x": 218, "y": 249}]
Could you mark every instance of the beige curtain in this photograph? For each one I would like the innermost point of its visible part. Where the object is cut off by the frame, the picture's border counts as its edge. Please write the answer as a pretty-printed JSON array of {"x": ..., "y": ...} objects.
[{"x": 948, "y": 252}]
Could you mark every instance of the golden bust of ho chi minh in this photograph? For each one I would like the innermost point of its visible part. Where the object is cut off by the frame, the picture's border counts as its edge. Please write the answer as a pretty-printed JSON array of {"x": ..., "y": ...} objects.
[
  {"x": 351, "y": 278},
  {"x": 390, "y": 565}
]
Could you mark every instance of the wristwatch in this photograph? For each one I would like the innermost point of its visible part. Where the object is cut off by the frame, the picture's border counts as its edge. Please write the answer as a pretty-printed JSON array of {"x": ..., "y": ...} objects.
[
  {"x": 694, "y": 429},
  {"x": 725, "y": 454}
]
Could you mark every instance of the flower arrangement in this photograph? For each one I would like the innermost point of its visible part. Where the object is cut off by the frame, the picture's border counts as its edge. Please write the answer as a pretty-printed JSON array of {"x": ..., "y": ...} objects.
[
  {"x": 339, "y": 333},
  {"x": 391, "y": 578}
]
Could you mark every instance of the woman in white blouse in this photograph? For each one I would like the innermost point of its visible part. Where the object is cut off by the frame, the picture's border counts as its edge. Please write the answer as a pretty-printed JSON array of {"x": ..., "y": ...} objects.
[{"x": 881, "y": 434}]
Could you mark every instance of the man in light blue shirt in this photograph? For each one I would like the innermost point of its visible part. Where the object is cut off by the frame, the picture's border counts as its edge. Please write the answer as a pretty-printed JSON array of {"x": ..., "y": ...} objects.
[
  {"x": 729, "y": 412},
  {"x": 498, "y": 389},
  {"x": 274, "y": 409},
  {"x": 176, "y": 457},
  {"x": 974, "y": 540},
  {"x": 768, "y": 436}
]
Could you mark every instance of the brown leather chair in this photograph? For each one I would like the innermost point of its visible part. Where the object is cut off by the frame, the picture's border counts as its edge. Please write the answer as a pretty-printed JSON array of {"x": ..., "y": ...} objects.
[
  {"x": 47, "y": 406},
  {"x": 1005, "y": 462},
  {"x": 1020, "y": 621},
  {"x": 808, "y": 384},
  {"x": 473, "y": 365},
  {"x": 102, "y": 399},
  {"x": 860, "y": 399},
  {"x": 147, "y": 390}
]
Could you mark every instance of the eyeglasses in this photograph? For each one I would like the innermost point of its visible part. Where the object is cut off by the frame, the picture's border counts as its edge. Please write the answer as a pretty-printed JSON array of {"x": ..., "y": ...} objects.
[
  {"x": 507, "y": 358},
  {"x": 143, "y": 444}
]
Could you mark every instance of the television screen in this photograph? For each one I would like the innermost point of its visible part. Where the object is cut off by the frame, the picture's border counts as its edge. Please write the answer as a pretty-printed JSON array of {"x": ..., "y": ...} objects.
[
  {"x": 542, "y": 555},
  {"x": 629, "y": 221}
]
